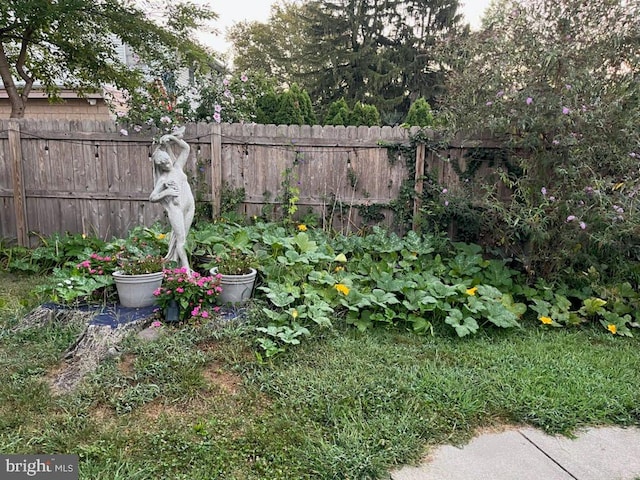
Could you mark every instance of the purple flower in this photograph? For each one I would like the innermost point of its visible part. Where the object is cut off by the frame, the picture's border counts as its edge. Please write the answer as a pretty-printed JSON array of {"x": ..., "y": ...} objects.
[
  {"x": 500, "y": 93},
  {"x": 543, "y": 190},
  {"x": 633, "y": 155},
  {"x": 124, "y": 132},
  {"x": 489, "y": 103},
  {"x": 217, "y": 108},
  {"x": 446, "y": 203},
  {"x": 571, "y": 218},
  {"x": 567, "y": 86},
  {"x": 244, "y": 78},
  {"x": 565, "y": 110},
  {"x": 529, "y": 100},
  {"x": 583, "y": 225},
  {"x": 225, "y": 82},
  {"x": 217, "y": 118},
  {"x": 444, "y": 190},
  {"x": 556, "y": 142}
]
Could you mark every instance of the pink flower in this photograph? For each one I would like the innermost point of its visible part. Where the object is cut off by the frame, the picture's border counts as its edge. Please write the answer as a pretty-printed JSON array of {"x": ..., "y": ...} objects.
[
  {"x": 204, "y": 314},
  {"x": 565, "y": 111},
  {"x": 500, "y": 93},
  {"x": 124, "y": 132},
  {"x": 225, "y": 82},
  {"x": 244, "y": 78},
  {"x": 217, "y": 118},
  {"x": 571, "y": 218},
  {"x": 583, "y": 225},
  {"x": 529, "y": 100},
  {"x": 217, "y": 108},
  {"x": 489, "y": 103},
  {"x": 543, "y": 190},
  {"x": 156, "y": 324},
  {"x": 180, "y": 290}
]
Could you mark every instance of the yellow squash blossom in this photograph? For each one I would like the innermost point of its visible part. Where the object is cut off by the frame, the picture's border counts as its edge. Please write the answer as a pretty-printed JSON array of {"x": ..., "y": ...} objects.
[
  {"x": 612, "y": 328},
  {"x": 472, "y": 291},
  {"x": 546, "y": 320},
  {"x": 342, "y": 288},
  {"x": 160, "y": 236},
  {"x": 294, "y": 313},
  {"x": 338, "y": 269},
  {"x": 302, "y": 227}
]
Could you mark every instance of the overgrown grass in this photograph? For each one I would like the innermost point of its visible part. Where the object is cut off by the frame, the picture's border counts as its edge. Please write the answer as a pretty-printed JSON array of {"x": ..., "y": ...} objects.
[{"x": 195, "y": 404}]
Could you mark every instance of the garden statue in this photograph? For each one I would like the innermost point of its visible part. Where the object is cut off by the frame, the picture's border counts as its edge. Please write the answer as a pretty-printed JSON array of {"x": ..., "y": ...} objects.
[{"x": 172, "y": 190}]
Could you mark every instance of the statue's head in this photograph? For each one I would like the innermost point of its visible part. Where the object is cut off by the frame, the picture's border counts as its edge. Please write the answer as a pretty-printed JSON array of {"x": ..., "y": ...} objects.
[{"x": 161, "y": 159}]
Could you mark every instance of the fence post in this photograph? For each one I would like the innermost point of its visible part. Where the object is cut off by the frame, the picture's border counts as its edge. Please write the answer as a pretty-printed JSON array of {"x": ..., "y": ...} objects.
[
  {"x": 419, "y": 183},
  {"x": 216, "y": 169},
  {"x": 19, "y": 196}
]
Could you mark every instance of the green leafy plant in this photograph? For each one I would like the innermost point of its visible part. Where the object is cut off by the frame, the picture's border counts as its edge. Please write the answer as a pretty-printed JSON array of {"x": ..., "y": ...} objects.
[
  {"x": 134, "y": 265},
  {"x": 233, "y": 262}
]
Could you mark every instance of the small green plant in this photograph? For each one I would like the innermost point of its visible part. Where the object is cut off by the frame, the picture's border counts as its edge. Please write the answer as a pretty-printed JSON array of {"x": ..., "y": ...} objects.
[{"x": 233, "y": 262}]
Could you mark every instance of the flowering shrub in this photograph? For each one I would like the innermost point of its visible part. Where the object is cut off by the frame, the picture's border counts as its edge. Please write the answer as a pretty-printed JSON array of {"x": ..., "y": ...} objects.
[
  {"x": 194, "y": 294},
  {"x": 150, "y": 107},
  {"x": 232, "y": 99},
  {"x": 560, "y": 91}
]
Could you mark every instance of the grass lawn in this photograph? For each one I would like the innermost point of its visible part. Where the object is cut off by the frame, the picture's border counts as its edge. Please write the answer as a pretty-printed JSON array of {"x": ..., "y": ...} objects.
[{"x": 196, "y": 404}]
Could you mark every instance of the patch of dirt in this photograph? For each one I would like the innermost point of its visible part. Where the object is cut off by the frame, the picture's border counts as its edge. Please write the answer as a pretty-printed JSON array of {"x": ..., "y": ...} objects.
[
  {"x": 216, "y": 375},
  {"x": 125, "y": 365},
  {"x": 159, "y": 408}
]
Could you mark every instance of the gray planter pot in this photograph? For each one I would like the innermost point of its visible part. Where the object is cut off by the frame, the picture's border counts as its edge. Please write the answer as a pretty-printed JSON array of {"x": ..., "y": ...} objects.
[
  {"x": 135, "y": 291},
  {"x": 236, "y": 288}
]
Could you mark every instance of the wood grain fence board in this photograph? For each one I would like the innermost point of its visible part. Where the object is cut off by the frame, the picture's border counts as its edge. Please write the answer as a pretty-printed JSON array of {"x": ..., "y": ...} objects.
[{"x": 109, "y": 193}]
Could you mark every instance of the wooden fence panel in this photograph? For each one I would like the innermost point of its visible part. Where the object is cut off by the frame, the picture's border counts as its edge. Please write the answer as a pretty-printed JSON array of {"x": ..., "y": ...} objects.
[{"x": 87, "y": 177}]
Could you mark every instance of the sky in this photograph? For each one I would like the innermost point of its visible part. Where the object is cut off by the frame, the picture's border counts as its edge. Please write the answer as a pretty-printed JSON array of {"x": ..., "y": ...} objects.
[{"x": 233, "y": 11}]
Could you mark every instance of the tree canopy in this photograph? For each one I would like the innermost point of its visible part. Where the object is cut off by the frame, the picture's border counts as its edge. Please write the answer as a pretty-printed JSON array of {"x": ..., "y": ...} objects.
[
  {"x": 378, "y": 53},
  {"x": 73, "y": 43}
]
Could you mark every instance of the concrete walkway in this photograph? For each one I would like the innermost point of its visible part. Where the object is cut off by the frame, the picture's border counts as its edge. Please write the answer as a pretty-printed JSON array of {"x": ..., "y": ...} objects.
[{"x": 610, "y": 453}]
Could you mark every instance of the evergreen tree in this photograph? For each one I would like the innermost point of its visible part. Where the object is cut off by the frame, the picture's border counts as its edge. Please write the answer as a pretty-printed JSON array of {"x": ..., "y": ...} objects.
[
  {"x": 381, "y": 51},
  {"x": 338, "y": 113},
  {"x": 420, "y": 114}
]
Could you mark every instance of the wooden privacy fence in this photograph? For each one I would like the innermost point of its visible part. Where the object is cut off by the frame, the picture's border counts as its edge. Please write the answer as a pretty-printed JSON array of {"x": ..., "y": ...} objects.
[{"x": 88, "y": 177}]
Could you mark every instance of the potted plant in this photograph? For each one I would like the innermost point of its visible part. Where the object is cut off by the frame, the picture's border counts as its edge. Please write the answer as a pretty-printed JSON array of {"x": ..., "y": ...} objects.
[
  {"x": 137, "y": 277},
  {"x": 185, "y": 295},
  {"x": 237, "y": 273}
]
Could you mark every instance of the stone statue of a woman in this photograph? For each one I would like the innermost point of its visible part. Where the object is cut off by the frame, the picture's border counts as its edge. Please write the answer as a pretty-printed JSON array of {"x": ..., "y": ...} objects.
[{"x": 173, "y": 192}]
